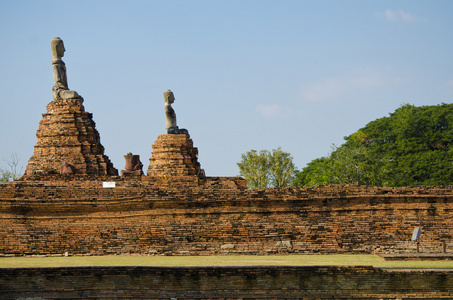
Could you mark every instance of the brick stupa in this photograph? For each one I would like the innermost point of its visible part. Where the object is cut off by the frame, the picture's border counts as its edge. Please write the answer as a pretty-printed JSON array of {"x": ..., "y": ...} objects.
[
  {"x": 174, "y": 155},
  {"x": 67, "y": 133}
]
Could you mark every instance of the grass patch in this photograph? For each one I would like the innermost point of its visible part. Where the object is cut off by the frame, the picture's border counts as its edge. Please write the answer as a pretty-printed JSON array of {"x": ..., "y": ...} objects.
[{"x": 232, "y": 260}]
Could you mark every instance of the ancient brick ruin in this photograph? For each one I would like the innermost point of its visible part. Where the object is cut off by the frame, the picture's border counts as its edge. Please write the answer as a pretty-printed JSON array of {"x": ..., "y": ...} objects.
[
  {"x": 190, "y": 216},
  {"x": 174, "y": 155},
  {"x": 176, "y": 210},
  {"x": 63, "y": 205},
  {"x": 67, "y": 134},
  {"x": 186, "y": 215},
  {"x": 266, "y": 282}
]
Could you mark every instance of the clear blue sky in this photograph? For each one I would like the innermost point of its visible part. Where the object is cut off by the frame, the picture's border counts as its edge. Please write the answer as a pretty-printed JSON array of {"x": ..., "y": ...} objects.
[{"x": 245, "y": 74}]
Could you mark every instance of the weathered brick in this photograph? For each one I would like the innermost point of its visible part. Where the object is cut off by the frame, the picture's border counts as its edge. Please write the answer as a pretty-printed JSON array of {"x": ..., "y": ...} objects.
[
  {"x": 185, "y": 215},
  {"x": 279, "y": 282},
  {"x": 67, "y": 133}
]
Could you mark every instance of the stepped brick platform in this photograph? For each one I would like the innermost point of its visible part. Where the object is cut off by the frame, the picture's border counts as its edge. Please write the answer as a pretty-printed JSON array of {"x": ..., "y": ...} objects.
[
  {"x": 268, "y": 282},
  {"x": 67, "y": 133},
  {"x": 187, "y": 215},
  {"x": 174, "y": 155},
  {"x": 417, "y": 256}
]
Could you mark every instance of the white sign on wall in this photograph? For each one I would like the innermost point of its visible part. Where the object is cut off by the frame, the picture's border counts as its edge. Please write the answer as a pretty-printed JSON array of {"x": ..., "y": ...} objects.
[
  {"x": 416, "y": 234},
  {"x": 108, "y": 184}
]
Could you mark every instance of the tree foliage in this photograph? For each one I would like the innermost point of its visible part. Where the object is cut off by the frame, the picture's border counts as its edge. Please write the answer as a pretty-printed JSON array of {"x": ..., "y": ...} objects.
[
  {"x": 267, "y": 168},
  {"x": 5, "y": 176},
  {"x": 413, "y": 146},
  {"x": 281, "y": 168},
  {"x": 254, "y": 167}
]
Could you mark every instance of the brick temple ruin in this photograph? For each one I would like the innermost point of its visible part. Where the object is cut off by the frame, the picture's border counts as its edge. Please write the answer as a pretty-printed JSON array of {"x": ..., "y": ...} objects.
[
  {"x": 63, "y": 204},
  {"x": 67, "y": 135},
  {"x": 71, "y": 201},
  {"x": 175, "y": 210}
]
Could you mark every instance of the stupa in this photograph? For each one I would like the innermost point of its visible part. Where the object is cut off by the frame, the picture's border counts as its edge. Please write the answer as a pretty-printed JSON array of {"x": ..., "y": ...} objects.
[
  {"x": 68, "y": 141},
  {"x": 173, "y": 153}
]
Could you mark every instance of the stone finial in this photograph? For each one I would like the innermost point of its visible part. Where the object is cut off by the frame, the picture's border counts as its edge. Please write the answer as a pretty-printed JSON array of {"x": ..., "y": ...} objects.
[
  {"x": 170, "y": 115},
  {"x": 133, "y": 165},
  {"x": 60, "y": 89}
]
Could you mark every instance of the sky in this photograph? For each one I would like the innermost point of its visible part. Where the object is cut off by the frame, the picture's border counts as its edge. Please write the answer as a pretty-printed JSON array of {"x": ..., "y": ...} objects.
[{"x": 246, "y": 74}]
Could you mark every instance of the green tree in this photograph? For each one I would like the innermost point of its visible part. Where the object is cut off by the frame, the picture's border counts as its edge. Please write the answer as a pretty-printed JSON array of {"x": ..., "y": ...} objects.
[
  {"x": 267, "y": 168},
  {"x": 281, "y": 168},
  {"x": 5, "y": 176},
  {"x": 413, "y": 146},
  {"x": 345, "y": 165},
  {"x": 312, "y": 174},
  {"x": 254, "y": 167}
]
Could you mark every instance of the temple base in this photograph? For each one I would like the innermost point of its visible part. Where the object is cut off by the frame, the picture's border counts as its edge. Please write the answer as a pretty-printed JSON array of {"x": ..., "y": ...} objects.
[
  {"x": 174, "y": 155},
  {"x": 67, "y": 135}
]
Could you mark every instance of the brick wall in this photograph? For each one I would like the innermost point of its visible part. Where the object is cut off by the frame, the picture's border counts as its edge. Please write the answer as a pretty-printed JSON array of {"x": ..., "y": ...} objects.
[
  {"x": 189, "y": 216},
  {"x": 224, "y": 283}
]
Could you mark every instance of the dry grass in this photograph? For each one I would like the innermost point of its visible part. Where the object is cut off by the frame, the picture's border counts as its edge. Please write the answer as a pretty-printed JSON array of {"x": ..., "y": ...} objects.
[{"x": 232, "y": 260}]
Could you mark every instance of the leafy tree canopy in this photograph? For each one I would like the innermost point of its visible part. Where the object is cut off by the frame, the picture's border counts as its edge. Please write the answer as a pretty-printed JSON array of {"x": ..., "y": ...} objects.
[
  {"x": 412, "y": 146},
  {"x": 5, "y": 176},
  {"x": 267, "y": 168}
]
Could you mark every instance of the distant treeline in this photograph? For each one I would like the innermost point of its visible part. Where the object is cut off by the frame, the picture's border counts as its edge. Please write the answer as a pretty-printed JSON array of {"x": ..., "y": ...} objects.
[{"x": 412, "y": 146}]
